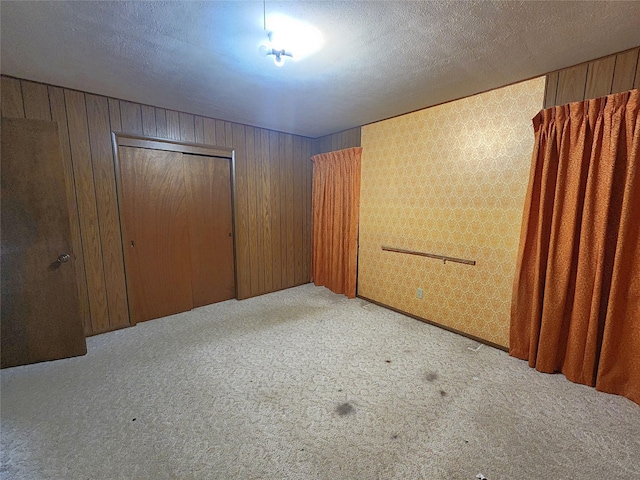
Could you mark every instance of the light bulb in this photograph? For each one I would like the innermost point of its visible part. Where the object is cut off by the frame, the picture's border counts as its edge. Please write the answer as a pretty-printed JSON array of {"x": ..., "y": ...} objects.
[{"x": 278, "y": 60}]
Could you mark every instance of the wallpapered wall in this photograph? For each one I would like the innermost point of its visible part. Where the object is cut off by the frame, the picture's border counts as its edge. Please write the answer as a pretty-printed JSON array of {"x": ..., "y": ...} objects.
[{"x": 449, "y": 180}]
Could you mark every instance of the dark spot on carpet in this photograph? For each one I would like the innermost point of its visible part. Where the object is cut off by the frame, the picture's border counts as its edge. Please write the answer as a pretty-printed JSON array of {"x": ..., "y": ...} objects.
[
  {"x": 344, "y": 409},
  {"x": 339, "y": 389},
  {"x": 394, "y": 436},
  {"x": 443, "y": 393},
  {"x": 466, "y": 441},
  {"x": 388, "y": 361},
  {"x": 431, "y": 376},
  {"x": 133, "y": 420},
  {"x": 302, "y": 449}
]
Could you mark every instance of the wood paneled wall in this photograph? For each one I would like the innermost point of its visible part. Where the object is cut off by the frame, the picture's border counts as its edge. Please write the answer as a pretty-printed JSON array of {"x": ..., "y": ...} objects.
[
  {"x": 337, "y": 141},
  {"x": 272, "y": 197},
  {"x": 598, "y": 78}
]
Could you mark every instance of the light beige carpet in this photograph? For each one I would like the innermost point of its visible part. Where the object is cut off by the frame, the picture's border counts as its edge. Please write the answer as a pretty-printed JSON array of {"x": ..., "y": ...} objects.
[{"x": 305, "y": 384}]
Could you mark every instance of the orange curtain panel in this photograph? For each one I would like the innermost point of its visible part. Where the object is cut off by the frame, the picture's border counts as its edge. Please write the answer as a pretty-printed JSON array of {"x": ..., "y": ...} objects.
[
  {"x": 336, "y": 204},
  {"x": 576, "y": 295}
]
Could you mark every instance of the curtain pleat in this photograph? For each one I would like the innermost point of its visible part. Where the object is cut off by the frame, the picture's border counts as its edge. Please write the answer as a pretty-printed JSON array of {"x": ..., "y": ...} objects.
[
  {"x": 576, "y": 294},
  {"x": 336, "y": 205}
]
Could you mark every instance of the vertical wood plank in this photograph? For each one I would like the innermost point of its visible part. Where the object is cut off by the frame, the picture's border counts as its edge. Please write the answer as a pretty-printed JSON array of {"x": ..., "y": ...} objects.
[
  {"x": 199, "y": 129},
  {"x": 36, "y": 101},
  {"x": 149, "y": 121},
  {"x": 261, "y": 221},
  {"x": 551, "y": 89},
  {"x": 284, "y": 217},
  {"x": 315, "y": 146},
  {"x": 59, "y": 114},
  {"x": 625, "y": 70},
  {"x": 87, "y": 208},
  {"x": 105, "y": 190},
  {"x": 308, "y": 187},
  {"x": 354, "y": 137},
  {"x": 309, "y": 215},
  {"x": 571, "y": 84},
  {"x": 131, "y": 114},
  {"x": 253, "y": 220},
  {"x": 12, "y": 103},
  {"x": 173, "y": 125},
  {"x": 161, "y": 123},
  {"x": 336, "y": 143},
  {"x": 344, "y": 140},
  {"x": 266, "y": 206},
  {"x": 187, "y": 128},
  {"x": 298, "y": 209},
  {"x": 289, "y": 180},
  {"x": 276, "y": 252},
  {"x": 307, "y": 148},
  {"x": 241, "y": 213},
  {"x": 326, "y": 144},
  {"x": 228, "y": 132},
  {"x": 599, "y": 77},
  {"x": 115, "y": 120},
  {"x": 209, "y": 131},
  {"x": 282, "y": 188},
  {"x": 221, "y": 137},
  {"x": 636, "y": 83}
]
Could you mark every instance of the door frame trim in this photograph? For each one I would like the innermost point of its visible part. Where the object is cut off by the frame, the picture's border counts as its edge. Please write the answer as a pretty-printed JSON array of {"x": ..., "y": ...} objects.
[{"x": 120, "y": 139}]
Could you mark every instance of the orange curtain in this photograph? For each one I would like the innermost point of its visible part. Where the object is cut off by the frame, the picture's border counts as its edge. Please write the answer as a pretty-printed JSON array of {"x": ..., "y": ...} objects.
[
  {"x": 576, "y": 294},
  {"x": 336, "y": 204}
]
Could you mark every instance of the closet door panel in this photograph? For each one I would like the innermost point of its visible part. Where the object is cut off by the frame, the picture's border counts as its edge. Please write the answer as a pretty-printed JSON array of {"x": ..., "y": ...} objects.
[
  {"x": 208, "y": 182},
  {"x": 155, "y": 232}
]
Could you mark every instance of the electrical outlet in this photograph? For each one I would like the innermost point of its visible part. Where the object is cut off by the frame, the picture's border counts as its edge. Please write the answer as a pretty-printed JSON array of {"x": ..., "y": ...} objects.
[{"x": 419, "y": 293}]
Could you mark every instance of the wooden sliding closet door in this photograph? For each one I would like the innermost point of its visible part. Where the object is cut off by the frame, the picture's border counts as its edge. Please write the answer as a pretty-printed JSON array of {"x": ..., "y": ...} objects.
[
  {"x": 155, "y": 232},
  {"x": 177, "y": 226},
  {"x": 208, "y": 181}
]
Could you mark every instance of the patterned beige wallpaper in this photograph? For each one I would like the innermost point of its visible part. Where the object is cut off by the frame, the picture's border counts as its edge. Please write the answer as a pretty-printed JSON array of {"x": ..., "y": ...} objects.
[{"x": 449, "y": 180}]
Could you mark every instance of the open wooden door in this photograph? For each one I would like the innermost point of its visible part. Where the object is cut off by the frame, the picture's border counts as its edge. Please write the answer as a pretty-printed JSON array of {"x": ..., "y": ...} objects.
[{"x": 40, "y": 316}]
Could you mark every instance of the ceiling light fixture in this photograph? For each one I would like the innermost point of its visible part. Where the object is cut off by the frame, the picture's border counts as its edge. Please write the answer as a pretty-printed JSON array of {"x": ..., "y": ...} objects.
[
  {"x": 278, "y": 52},
  {"x": 283, "y": 32}
]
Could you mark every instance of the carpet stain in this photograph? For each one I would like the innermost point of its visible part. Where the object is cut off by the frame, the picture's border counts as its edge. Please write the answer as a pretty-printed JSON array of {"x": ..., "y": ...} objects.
[
  {"x": 344, "y": 409},
  {"x": 443, "y": 393},
  {"x": 431, "y": 376},
  {"x": 394, "y": 437}
]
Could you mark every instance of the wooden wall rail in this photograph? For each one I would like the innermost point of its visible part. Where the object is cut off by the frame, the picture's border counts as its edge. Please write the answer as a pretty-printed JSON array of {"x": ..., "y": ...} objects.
[
  {"x": 598, "y": 78},
  {"x": 437, "y": 256},
  {"x": 273, "y": 180}
]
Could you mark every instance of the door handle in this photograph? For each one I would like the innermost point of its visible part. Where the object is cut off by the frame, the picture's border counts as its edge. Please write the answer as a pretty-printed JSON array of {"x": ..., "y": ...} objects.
[{"x": 64, "y": 258}]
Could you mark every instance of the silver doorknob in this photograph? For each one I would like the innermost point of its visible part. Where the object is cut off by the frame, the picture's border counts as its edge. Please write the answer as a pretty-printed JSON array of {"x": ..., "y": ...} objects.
[{"x": 64, "y": 258}]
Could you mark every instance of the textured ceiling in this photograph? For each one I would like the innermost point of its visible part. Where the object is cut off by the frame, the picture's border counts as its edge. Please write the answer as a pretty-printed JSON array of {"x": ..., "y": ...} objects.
[{"x": 380, "y": 59}]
